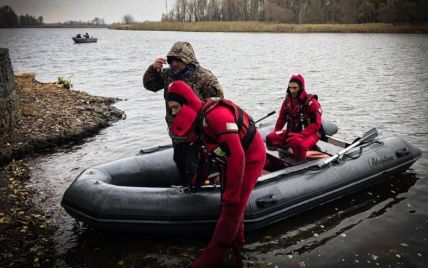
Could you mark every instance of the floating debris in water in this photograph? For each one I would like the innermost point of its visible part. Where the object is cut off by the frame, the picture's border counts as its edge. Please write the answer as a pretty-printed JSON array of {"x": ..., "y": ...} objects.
[
  {"x": 289, "y": 256},
  {"x": 404, "y": 245},
  {"x": 374, "y": 257},
  {"x": 398, "y": 255},
  {"x": 420, "y": 254},
  {"x": 343, "y": 235}
]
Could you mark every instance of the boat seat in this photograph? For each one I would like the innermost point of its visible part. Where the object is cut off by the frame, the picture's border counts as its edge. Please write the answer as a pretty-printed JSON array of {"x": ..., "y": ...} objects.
[
  {"x": 277, "y": 158},
  {"x": 314, "y": 155},
  {"x": 327, "y": 148}
]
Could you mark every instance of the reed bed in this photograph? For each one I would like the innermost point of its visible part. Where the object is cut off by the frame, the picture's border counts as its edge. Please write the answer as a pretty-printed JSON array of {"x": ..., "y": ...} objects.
[{"x": 252, "y": 26}]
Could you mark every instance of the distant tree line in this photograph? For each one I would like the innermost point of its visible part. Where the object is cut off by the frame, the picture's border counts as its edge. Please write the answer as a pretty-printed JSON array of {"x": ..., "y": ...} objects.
[
  {"x": 298, "y": 11},
  {"x": 9, "y": 19},
  {"x": 95, "y": 22}
]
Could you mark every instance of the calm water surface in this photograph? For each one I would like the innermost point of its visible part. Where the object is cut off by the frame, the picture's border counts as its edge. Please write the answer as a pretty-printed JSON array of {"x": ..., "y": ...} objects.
[{"x": 362, "y": 80}]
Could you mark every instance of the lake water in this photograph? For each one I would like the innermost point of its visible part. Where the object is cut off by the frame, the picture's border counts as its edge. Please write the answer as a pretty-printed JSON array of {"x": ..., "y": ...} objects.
[{"x": 362, "y": 80}]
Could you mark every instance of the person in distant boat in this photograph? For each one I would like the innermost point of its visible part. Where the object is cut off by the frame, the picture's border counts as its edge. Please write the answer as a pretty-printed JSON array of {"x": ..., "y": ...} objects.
[
  {"x": 302, "y": 114},
  {"x": 86, "y": 35},
  {"x": 226, "y": 133},
  {"x": 184, "y": 66},
  {"x": 78, "y": 36}
]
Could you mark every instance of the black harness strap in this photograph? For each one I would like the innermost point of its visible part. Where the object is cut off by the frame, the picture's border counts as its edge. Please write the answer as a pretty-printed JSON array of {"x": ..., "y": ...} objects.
[
  {"x": 249, "y": 135},
  {"x": 251, "y": 129}
]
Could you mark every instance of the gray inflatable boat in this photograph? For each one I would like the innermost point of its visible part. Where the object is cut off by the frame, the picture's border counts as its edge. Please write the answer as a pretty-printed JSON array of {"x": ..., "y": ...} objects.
[{"x": 142, "y": 193}]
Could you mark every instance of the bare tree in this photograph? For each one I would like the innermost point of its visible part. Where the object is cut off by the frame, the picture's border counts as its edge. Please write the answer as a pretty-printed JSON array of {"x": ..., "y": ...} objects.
[
  {"x": 128, "y": 18},
  {"x": 302, "y": 10},
  {"x": 213, "y": 11},
  {"x": 97, "y": 21},
  {"x": 366, "y": 12}
]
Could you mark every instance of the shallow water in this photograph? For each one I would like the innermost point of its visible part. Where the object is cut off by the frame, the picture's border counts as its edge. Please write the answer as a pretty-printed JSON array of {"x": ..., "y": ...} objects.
[{"x": 362, "y": 80}]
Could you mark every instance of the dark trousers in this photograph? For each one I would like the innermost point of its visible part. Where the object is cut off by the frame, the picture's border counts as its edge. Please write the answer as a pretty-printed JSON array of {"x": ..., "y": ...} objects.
[{"x": 186, "y": 159}]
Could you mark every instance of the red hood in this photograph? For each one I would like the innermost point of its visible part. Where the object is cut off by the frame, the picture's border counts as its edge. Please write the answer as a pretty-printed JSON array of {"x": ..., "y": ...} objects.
[
  {"x": 190, "y": 105},
  {"x": 301, "y": 82}
]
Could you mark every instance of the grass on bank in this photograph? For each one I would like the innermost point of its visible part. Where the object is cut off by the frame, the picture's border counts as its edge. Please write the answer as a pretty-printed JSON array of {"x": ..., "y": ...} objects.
[{"x": 254, "y": 26}]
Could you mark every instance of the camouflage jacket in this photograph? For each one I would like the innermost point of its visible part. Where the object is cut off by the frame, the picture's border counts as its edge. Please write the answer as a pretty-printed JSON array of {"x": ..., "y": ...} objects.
[{"x": 201, "y": 80}]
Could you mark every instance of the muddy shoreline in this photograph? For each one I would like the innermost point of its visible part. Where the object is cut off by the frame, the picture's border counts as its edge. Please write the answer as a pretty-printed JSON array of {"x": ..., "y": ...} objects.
[{"x": 50, "y": 116}]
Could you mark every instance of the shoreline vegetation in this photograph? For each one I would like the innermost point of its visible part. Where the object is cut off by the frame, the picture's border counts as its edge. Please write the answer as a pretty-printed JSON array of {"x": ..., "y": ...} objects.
[
  {"x": 65, "y": 25},
  {"x": 51, "y": 115},
  {"x": 262, "y": 27}
]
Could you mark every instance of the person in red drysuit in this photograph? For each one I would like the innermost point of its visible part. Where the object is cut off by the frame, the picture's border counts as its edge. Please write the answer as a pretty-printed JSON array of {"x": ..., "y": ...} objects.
[
  {"x": 302, "y": 113},
  {"x": 215, "y": 124}
]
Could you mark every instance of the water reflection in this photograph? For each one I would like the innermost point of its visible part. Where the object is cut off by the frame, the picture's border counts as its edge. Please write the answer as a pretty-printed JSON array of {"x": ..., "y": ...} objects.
[{"x": 312, "y": 229}]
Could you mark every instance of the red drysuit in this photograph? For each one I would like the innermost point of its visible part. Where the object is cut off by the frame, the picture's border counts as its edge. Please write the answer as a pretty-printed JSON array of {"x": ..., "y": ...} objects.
[
  {"x": 303, "y": 117},
  {"x": 219, "y": 129}
]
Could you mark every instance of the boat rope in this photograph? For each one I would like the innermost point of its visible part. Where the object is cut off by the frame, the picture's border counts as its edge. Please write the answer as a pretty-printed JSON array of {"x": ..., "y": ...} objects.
[{"x": 360, "y": 152}]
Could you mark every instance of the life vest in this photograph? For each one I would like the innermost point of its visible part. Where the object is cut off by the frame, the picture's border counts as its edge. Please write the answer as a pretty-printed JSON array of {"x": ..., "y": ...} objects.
[
  {"x": 246, "y": 126},
  {"x": 298, "y": 117}
]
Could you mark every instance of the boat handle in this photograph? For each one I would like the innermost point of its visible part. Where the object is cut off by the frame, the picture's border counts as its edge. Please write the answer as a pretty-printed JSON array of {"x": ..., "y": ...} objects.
[
  {"x": 267, "y": 201},
  {"x": 155, "y": 149},
  {"x": 402, "y": 152}
]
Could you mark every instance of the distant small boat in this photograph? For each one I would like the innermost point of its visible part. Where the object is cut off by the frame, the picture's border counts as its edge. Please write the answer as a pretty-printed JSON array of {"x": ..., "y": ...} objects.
[{"x": 85, "y": 40}]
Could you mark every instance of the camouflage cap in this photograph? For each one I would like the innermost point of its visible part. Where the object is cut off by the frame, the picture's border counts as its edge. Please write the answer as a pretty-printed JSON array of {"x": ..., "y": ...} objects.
[{"x": 184, "y": 52}]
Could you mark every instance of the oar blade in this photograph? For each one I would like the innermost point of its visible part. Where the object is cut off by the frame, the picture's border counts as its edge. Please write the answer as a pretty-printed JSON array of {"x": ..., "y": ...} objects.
[{"x": 369, "y": 135}]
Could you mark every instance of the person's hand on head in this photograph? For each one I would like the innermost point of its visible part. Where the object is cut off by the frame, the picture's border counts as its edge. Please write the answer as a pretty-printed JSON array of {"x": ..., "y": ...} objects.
[{"x": 159, "y": 62}]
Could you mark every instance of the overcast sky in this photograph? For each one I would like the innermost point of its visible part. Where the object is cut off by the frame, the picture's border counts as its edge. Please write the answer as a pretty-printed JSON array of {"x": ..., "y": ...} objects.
[{"x": 86, "y": 10}]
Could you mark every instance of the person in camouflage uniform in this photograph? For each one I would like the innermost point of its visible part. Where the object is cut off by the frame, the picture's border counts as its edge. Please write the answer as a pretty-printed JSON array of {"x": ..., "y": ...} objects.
[{"x": 183, "y": 66}]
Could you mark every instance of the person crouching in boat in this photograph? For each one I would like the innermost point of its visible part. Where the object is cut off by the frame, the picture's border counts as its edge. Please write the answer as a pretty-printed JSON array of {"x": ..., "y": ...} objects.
[
  {"x": 228, "y": 133},
  {"x": 302, "y": 114}
]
